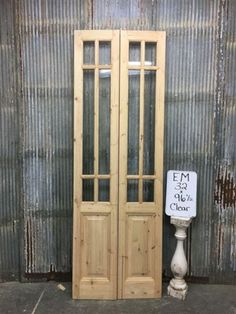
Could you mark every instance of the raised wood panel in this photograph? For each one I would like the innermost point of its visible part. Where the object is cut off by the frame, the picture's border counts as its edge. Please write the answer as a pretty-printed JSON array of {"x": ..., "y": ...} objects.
[
  {"x": 140, "y": 246},
  {"x": 95, "y": 246},
  {"x": 139, "y": 288}
]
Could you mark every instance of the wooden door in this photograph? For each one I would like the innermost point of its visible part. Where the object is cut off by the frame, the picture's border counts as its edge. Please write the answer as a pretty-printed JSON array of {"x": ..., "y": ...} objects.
[
  {"x": 96, "y": 104},
  {"x": 141, "y": 163},
  {"x": 118, "y": 98}
]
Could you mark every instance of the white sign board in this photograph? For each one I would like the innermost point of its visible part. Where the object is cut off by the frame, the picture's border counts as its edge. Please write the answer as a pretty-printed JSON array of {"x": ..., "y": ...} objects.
[{"x": 181, "y": 193}]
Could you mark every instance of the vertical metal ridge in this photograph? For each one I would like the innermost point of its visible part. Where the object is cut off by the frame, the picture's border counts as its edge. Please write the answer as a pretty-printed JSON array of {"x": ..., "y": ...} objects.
[
  {"x": 225, "y": 186},
  {"x": 9, "y": 212},
  {"x": 189, "y": 144},
  {"x": 47, "y": 41}
]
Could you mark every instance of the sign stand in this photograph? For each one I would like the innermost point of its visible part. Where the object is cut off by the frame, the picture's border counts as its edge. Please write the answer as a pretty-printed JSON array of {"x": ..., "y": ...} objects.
[
  {"x": 177, "y": 287},
  {"x": 181, "y": 206}
]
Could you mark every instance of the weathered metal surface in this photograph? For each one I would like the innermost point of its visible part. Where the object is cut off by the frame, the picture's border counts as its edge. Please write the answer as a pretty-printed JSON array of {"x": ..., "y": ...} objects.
[
  {"x": 36, "y": 49},
  {"x": 225, "y": 190},
  {"x": 223, "y": 269},
  {"x": 9, "y": 205},
  {"x": 189, "y": 128},
  {"x": 46, "y": 34}
]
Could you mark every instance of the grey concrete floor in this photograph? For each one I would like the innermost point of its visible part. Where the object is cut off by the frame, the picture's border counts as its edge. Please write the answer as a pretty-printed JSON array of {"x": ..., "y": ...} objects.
[{"x": 46, "y": 298}]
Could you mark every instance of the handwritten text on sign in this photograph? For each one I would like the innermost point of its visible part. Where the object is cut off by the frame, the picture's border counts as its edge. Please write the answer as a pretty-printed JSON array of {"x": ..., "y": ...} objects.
[{"x": 181, "y": 193}]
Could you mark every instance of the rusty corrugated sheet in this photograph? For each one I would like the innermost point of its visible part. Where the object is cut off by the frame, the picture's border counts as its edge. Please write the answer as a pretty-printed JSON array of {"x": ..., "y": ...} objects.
[
  {"x": 46, "y": 32},
  {"x": 191, "y": 28},
  {"x": 224, "y": 219},
  {"x": 9, "y": 201},
  {"x": 199, "y": 123}
]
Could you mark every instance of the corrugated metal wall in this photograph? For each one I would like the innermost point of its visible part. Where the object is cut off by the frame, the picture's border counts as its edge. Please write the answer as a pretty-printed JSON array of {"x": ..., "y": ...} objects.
[
  {"x": 9, "y": 128},
  {"x": 224, "y": 216},
  {"x": 36, "y": 109}
]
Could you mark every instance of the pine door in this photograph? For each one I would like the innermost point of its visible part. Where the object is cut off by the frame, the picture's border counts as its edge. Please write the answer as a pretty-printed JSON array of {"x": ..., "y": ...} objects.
[{"x": 118, "y": 164}]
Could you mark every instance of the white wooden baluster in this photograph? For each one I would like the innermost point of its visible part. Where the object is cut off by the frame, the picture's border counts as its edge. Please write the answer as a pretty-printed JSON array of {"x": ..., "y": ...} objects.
[{"x": 177, "y": 287}]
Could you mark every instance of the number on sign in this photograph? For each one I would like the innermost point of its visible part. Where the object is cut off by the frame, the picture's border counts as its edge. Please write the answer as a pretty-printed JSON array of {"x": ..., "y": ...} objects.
[{"x": 181, "y": 186}]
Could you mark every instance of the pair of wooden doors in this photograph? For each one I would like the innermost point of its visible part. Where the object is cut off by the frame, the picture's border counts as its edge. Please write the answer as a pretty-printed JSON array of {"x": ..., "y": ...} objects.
[{"x": 118, "y": 164}]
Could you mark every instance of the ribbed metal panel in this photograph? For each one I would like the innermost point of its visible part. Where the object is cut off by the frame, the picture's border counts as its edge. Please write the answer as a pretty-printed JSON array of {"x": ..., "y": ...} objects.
[
  {"x": 36, "y": 45},
  {"x": 9, "y": 205},
  {"x": 46, "y": 30},
  {"x": 191, "y": 28},
  {"x": 224, "y": 219}
]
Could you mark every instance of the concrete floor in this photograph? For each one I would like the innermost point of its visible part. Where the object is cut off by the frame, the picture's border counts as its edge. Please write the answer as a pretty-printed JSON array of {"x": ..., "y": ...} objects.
[{"x": 46, "y": 298}]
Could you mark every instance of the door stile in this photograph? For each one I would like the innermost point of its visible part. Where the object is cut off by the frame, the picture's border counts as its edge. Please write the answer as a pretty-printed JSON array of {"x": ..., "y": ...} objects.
[
  {"x": 123, "y": 144},
  {"x": 96, "y": 122},
  {"x": 114, "y": 175},
  {"x": 77, "y": 171},
  {"x": 141, "y": 124},
  {"x": 159, "y": 149}
]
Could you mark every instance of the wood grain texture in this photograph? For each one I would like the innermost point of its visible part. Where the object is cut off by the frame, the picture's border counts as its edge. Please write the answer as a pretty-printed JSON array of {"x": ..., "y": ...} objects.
[
  {"x": 140, "y": 224},
  {"x": 118, "y": 255},
  {"x": 95, "y": 223}
]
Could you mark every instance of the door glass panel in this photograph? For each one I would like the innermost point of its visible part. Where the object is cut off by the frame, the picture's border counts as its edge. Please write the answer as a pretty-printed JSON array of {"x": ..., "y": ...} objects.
[
  {"x": 133, "y": 121},
  {"x": 132, "y": 191},
  {"x": 134, "y": 53},
  {"x": 88, "y": 190},
  {"x": 150, "y": 54},
  {"x": 104, "y": 190},
  {"x": 89, "y": 52},
  {"x": 88, "y": 122},
  {"x": 148, "y": 190},
  {"x": 149, "y": 121},
  {"x": 104, "y": 52},
  {"x": 104, "y": 120}
]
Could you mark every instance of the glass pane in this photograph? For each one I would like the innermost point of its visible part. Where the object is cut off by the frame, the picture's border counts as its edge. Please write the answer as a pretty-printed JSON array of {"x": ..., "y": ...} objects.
[
  {"x": 148, "y": 190},
  {"x": 88, "y": 190},
  {"x": 149, "y": 121},
  {"x": 104, "y": 121},
  {"x": 104, "y": 52},
  {"x": 133, "y": 121},
  {"x": 104, "y": 190},
  {"x": 88, "y": 122},
  {"x": 134, "y": 53},
  {"x": 89, "y": 52},
  {"x": 150, "y": 54},
  {"x": 132, "y": 191}
]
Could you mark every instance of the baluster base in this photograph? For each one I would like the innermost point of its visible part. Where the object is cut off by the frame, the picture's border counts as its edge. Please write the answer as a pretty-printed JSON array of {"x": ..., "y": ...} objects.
[{"x": 177, "y": 288}]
